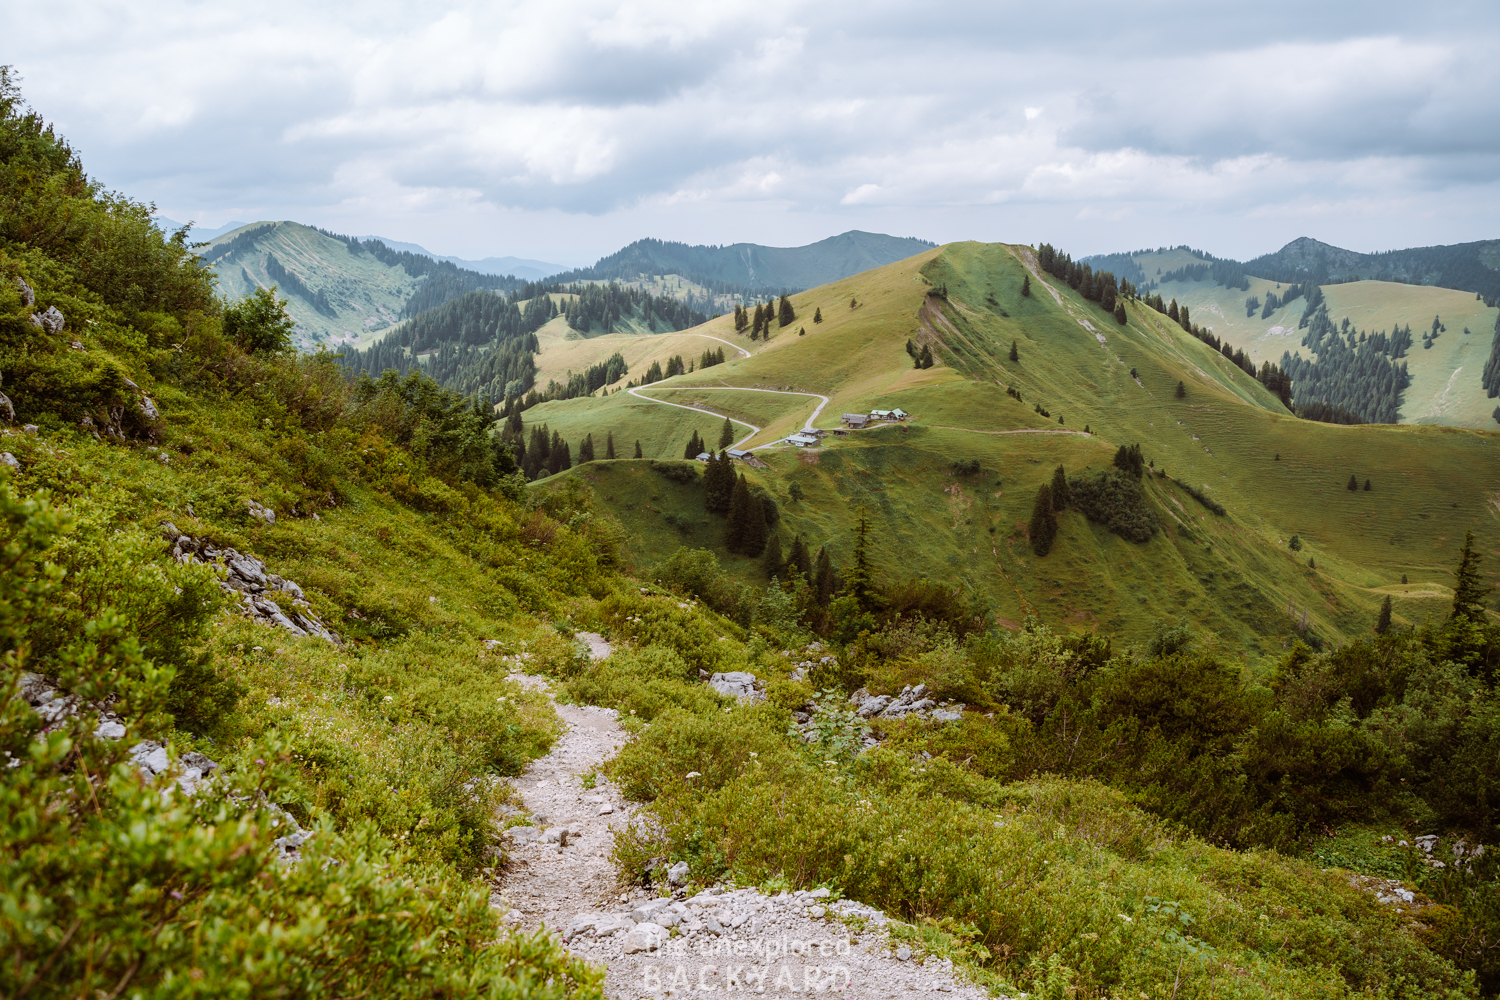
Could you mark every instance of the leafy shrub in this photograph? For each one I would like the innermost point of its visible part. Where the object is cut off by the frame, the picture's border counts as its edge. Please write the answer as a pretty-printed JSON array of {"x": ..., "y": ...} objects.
[
  {"x": 644, "y": 683},
  {"x": 676, "y": 472}
]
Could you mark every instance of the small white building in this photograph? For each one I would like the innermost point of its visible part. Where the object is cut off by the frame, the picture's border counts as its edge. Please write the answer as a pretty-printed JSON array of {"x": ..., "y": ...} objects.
[
  {"x": 704, "y": 456},
  {"x": 739, "y": 453},
  {"x": 855, "y": 419},
  {"x": 899, "y": 414},
  {"x": 888, "y": 414},
  {"x": 803, "y": 440}
]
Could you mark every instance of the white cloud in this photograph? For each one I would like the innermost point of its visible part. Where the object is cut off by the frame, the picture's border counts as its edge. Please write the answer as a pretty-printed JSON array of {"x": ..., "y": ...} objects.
[{"x": 498, "y": 126}]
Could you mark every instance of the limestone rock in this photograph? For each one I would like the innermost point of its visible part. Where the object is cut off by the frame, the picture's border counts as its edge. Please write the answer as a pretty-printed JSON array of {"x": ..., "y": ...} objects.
[
  {"x": 736, "y": 684},
  {"x": 644, "y": 937}
]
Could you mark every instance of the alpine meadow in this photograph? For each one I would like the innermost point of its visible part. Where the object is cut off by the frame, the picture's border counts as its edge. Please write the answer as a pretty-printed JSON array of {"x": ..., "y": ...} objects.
[{"x": 873, "y": 617}]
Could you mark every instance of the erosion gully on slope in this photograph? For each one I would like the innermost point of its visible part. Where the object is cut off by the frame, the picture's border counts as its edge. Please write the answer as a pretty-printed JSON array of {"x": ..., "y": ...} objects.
[{"x": 722, "y": 939}]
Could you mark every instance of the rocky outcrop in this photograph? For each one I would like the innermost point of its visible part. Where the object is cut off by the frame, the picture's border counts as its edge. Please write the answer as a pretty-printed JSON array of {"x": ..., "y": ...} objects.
[
  {"x": 912, "y": 700},
  {"x": 247, "y": 577},
  {"x": 49, "y": 320},
  {"x": 737, "y": 684}
]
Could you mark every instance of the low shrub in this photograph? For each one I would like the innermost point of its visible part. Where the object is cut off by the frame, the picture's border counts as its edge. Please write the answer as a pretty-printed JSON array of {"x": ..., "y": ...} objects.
[{"x": 1116, "y": 500}]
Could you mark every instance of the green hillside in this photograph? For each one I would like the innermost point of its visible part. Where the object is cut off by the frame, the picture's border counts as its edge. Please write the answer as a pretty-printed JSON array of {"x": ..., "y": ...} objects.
[
  {"x": 338, "y": 290},
  {"x": 1277, "y": 476},
  {"x": 1445, "y": 377}
]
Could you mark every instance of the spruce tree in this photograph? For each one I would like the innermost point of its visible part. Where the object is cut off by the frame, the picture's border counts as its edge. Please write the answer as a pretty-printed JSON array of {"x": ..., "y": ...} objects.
[
  {"x": 1383, "y": 620},
  {"x": 1353, "y": 483},
  {"x": 586, "y": 449},
  {"x": 1026, "y": 286},
  {"x": 800, "y": 560},
  {"x": 823, "y": 577},
  {"x": 1469, "y": 589},
  {"x": 1060, "y": 497},
  {"x": 1367, "y": 486},
  {"x": 1015, "y": 353},
  {"x": 925, "y": 360},
  {"x": 726, "y": 434},
  {"x": 1043, "y": 525},
  {"x": 637, "y": 449},
  {"x": 738, "y": 522},
  {"x": 787, "y": 315},
  {"x": 772, "y": 563},
  {"x": 818, "y": 315},
  {"x": 801, "y": 331},
  {"x": 1120, "y": 315},
  {"x": 1181, "y": 391},
  {"x": 862, "y": 577},
  {"x": 693, "y": 447},
  {"x": 609, "y": 445},
  {"x": 756, "y": 530}
]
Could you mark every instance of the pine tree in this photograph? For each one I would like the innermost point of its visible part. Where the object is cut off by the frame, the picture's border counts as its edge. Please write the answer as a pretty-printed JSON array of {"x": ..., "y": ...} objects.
[
  {"x": 823, "y": 577},
  {"x": 1469, "y": 589},
  {"x": 1043, "y": 526},
  {"x": 853, "y": 303},
  {"x": 801, "y": 331},
  {"x": 693, "y": 448},
  {"x": 1120, "y": 316},
  {"x": 1353, "y": 483},
  {"x": 1172, "y": 312},
  {"x": 1367, "y": 486},
  {"x": 738, "y": 523},
  {"x": 1060, "y": 497},
  {"x": 726, "y": 434},
  {"x": 862, "y": 577},
  {"x": 1181, "y": 391},
  {"x": 1026, "y": 286},
  {"x": 773, "y": 563},
  {"x": 609, "y": 445},
  {"x": 818, "y": 315},
  {"x": 1015, "y": 353},
  {"x": 924, "y": 360},
  {"x": 800, "y": 561},
  {"x": 756, "y": 530},
  {"x": 1383, "y": 620},
  {"x": 787, "y": 315},
  {"x": 586, "y": 449},
  {"x": 560, "y": 457},
  {"x": 637, "y": 449}
]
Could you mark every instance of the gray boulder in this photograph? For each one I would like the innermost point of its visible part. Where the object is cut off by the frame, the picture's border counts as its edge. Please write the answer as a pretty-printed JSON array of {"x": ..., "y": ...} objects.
[{"x": 736, "y": 684}]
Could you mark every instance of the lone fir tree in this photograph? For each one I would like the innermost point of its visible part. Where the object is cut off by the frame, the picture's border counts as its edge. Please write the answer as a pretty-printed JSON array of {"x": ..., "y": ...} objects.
[
  {"x": 1181, "y": 391},
  {"x": 1383, "y": 620},
  {"x": 1015, "y": 352},
  {"x": 1469, "y": 588},
  {"x": 1043, "y": 525},
  {"x": 1026, "y": 286},
  {"x": 609, "y": 445},
  {"x": 818, "y": 315},
  {"x": 726, "y": 434},
  {"x": 637, "y": 449}
]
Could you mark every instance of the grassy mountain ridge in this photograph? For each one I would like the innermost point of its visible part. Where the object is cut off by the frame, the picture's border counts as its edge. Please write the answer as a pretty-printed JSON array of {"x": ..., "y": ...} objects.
[
  {"x": 338, "y": 290},
  {"x": 1446, "y": 376},
  {"x": 1229, "y": 438}
]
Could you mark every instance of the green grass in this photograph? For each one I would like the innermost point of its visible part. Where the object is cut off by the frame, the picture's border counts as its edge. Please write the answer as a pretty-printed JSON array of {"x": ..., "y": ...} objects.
[
  {"x": 367, "y": 296},
  {"x": 1371, "y": 306},
  {"x": 1233, "y": 574}
]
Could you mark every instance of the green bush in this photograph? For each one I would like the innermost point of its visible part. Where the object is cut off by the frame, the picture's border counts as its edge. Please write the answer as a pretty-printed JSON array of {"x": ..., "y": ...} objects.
[{"x": 1116, "y": 500}]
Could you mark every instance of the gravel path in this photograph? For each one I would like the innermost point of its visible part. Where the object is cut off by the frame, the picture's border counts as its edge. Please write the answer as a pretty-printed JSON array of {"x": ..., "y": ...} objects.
[{"x": 731, "y": 940}]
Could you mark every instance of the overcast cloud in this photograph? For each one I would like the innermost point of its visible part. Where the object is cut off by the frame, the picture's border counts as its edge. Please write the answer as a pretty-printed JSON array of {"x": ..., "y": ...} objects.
[{"x": 564, "y": 130}]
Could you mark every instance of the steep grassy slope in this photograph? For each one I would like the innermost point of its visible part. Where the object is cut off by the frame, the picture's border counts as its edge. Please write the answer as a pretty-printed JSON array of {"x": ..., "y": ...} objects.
[
  {"x": 1445, "y": 387},
  {"x": 1277, "y": 475},
  {"x": 364, "y": 296}
]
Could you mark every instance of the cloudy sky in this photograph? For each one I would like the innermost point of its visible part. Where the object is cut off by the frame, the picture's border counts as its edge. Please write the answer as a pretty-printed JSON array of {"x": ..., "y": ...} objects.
[{"x": 563, "y": 130}]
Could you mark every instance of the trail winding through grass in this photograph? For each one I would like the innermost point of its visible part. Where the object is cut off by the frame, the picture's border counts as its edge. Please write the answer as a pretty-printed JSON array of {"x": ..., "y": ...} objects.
[{"x": 754, "y": 430}]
